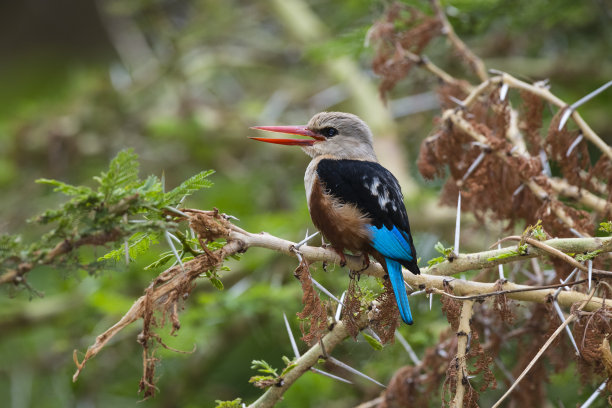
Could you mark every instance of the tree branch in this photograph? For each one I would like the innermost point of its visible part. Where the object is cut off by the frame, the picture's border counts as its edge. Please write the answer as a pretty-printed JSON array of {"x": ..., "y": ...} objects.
[
  {"x": 463, "y": 345},
  {"x": 305, "y": 362}
]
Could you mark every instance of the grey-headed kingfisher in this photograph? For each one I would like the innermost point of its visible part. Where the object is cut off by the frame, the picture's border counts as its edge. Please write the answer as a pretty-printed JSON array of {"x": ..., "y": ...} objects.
[{"x": 355, "y": 202}]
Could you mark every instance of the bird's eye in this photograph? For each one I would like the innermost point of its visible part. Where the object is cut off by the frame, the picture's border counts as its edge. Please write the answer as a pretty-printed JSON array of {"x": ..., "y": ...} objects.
[{"x": 329, "y": 132}]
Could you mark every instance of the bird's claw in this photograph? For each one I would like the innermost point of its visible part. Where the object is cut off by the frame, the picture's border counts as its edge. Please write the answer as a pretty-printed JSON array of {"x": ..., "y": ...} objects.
[{"x": 339, "y": 252}]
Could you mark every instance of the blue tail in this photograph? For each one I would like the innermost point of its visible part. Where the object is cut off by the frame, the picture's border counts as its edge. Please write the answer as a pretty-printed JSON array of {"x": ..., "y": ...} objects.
[{"x": 397, "y": 281}]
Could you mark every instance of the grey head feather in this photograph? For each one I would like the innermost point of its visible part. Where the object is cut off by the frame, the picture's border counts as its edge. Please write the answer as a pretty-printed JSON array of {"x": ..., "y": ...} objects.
[{"x": 353, "y": 141}]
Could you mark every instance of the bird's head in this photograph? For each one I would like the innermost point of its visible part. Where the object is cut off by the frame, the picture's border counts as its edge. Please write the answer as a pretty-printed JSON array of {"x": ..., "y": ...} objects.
[{"x": 337, "y": 134}]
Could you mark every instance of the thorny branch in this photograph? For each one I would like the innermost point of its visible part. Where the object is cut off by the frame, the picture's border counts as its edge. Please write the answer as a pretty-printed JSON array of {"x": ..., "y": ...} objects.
[
  {"x": 464, "y": 334},
  {"x": 169, "y": 287}
]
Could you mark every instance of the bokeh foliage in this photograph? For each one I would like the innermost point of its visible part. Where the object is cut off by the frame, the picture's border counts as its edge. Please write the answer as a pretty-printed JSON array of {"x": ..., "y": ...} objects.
[{"x": 180, "y": 82}]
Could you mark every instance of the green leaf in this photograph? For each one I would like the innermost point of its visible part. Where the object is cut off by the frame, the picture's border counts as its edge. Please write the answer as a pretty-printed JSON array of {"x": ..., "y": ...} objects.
[
  {"x": 435, "y": 261},
  {"x": 65, "y": 188},
  {"x": 237, "y": 403},
  {"x": 290, "y": 365},
  {"x": 444, "y": 251},
  {"x": 263, "y": 367},
  {"x": 167, "y": 256},
  {"x": 606, "y": 226},
  {"x": 138, "y": 244},
  {"x": 588, "y": 256},
  {"x": 375, "y": 344},
  {"x": 193, "y": 184},
  {"x": 122, "y": 172},
  {"x": 217, "y": 283}
]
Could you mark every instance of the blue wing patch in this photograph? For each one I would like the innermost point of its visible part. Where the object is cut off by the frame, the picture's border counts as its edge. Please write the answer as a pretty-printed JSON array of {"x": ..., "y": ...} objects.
[{"x": 392, "y": 243}]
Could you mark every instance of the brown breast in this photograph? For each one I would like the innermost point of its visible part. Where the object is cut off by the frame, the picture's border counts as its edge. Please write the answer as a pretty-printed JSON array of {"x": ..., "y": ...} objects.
[{"x": 342, "y": 224}]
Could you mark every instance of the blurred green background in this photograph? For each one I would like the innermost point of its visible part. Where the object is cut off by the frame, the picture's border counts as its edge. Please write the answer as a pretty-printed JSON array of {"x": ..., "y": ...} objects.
[{"x": 181, "y": 82}]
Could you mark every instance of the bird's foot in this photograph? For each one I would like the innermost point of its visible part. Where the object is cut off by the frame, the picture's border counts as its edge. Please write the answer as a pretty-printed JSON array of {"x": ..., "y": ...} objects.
[
  {"x": 340, "y": 254},
  {"x": 355, "y": 274}
]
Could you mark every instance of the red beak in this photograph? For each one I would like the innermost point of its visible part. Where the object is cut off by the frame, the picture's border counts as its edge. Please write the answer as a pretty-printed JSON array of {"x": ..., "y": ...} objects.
[{"x": 291, "y": 130}]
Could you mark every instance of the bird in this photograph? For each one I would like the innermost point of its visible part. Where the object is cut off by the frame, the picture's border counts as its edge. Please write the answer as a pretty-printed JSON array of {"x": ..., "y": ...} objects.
[{"x": 354, "y": 201}]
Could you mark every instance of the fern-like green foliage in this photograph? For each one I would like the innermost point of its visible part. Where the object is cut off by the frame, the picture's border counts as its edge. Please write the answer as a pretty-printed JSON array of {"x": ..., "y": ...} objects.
[
  {"x": 237, "y": 403},
  {"x": 120, "y": 207},
  {"x": 189, "y": 186}
]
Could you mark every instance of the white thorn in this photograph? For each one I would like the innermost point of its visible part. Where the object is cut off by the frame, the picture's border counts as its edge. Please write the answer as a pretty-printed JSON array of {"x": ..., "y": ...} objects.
[
  {"x": 570, "y": 276},
  {"x": 352, "y": 370},
  {"x": 169, "y": 238},
  {"x": 294, "y": 346},
  {"x": 418, "y": 292},
  {"x": 503, "y": 92},
  {"x": 576, "y": 233},
  {"x": 469, "y": 171},
  {"x": 458, "y": 225},
  {"x": 408, "y": 285},
  {"x": 322, "y": 289},
  {"x": 176, "y": 211},
  {"x": 571, "y": 108},
  {"x": 500, "y": 266},
  {"x": 574, "y": 144},
  {"x": 335, "y": 377},
  {"x": 594, "y": 396},
  {"x": 430, "y": 300},
  {"x": 305, "y": 240},
  {"x": 339, "y": 308},
  {"x": 590, "y": 96},
  {"x": 590, "y": 263},
  {"x": 518, "y": 190},
  {"x": 565, "y": 116},
  {"x": 457, "y": 101},
  {"x": 408, "y": 348},
  {"x": 567, "y": 329},
  {"x": 545, "y": 165}
]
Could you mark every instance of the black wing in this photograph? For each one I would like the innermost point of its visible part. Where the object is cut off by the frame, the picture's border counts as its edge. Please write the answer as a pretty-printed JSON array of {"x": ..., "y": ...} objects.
[{"x": 371, "y": 188}]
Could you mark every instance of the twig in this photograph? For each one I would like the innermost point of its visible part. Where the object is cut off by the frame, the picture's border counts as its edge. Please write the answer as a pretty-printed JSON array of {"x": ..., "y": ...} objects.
[
  {"x": 583, "y": 196},
  {"x": 424, "y": 62},
  {"x": 550, "y": 97},
  {"x": 463, "y": 335},
  {"x": 475, "y": 63},
  {"x": 303, "y": 364},
  {"x": 535, "y": 359},
  {"x": 481, "y": 296}
]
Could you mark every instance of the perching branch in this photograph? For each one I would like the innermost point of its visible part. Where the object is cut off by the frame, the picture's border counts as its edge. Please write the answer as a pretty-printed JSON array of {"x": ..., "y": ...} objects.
[{"x": 169, "y": 287}]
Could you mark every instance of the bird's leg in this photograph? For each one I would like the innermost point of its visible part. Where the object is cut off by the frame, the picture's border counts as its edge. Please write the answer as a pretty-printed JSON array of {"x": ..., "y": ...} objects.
[
  {"x": 339, "y": 252},
  {"x": 366, "y": 262}
]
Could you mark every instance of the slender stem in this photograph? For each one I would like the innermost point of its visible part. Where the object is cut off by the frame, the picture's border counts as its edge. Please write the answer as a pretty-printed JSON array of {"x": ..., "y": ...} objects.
[
  {"x": 535, "y": 359},
  {"x": 463, "y": 337}
]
